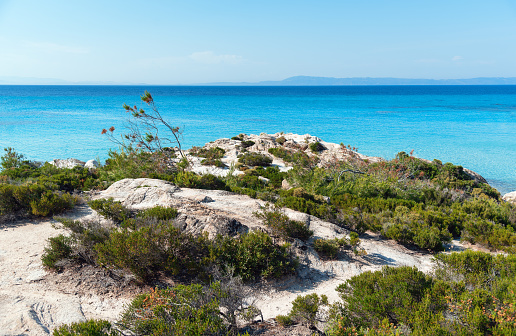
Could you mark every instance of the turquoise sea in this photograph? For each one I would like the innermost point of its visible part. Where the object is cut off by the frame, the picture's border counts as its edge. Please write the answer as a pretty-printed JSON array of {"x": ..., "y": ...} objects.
[{"x": 474, "y": 126}]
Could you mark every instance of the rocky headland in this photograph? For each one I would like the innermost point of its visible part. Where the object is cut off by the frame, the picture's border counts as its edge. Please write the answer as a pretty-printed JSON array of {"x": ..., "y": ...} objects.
[{"x": 34, "y": 300}]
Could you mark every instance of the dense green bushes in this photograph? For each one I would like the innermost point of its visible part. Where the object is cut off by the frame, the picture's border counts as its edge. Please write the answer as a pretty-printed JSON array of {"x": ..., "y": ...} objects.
[
  {"x": 255, "y": 159},
  {"x": 253, "y": 256},
  {"x": 471, "y": 293},
  {"x": 148, "y": 245},
  {"x": 33, "y": 199}
]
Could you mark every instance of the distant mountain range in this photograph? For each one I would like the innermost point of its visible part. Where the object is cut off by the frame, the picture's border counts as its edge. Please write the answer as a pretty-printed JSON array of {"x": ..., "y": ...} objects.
[
  {"x": 329, "y": 81},
  {"x": 291, "y": 81}
]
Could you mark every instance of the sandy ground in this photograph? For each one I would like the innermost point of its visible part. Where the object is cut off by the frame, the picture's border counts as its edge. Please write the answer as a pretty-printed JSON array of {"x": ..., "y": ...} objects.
[{"x": 32, "y": 301}]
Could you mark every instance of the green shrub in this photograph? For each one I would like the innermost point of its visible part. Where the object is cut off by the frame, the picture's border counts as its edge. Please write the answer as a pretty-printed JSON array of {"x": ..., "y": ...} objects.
[
  {"x": 214, "y": 153},
  {"x": 51, "y": 203},
  {"x": 316, "y": 147},
  {"x": 246, "y": 144},
  {"x": 84, "y": 235},
  {"x": 137, "y": 163},
  {"x": 188, "y": 179},
  {"x": 329, "y": 248},
  {"x": 305, "y": 308},
  {"x": 111, "y": 209},
  {"x": 87, "y": 328},
  {"x": 158, "y": 212},
  {"x": 284, "y": 320},
  {"x": 391, "y": 293},
  {"x": 254, "y": 255},
  {"x": 281, "y": 140},
  {"x": 283, "y": 226},
  {"x": 59, "y": 248},
  {"x": 213, "y": 162},
  {"x": 153, "y": 249},
  {"x": 181, "y": 310},
  {"x": 255, "y": 159}
]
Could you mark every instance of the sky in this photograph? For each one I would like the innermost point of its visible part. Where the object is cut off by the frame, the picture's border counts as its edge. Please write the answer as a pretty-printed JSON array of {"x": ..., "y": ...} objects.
[{"x": 189, "y": 42}]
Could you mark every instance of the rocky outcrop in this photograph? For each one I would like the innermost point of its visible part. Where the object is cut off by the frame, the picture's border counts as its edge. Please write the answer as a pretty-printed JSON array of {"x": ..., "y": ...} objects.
[
  {"x": 475, "y": 176},
  {"x": 68, "y": 163},
  {"x": 140, "y": 193},
  {"x": 510, "y": 197}
]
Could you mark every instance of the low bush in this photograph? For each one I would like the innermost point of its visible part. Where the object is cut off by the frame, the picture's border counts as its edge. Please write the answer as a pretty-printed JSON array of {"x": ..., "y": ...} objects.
[
  {"x": 188, "y": 179},
  {"x": 59, "y": 248},
  {"x": 306, "y": 308},
  {"x": 316, "y": 147},
  {"x": 247, "y": 143},
  {"x": 283, "y": 226},
  {"x": 253, "y": 256},
  {"x": 181, "y": 310},
  {"x": 329, "y": 248},
  {"x": 152, "y": 250},
  {"x": 87, "y": 328},
  {"x": 33, "y": 199},
  {"x": 213, "y": 153},
  {"x": 392, "y": 293},
  {"x": 111, "y": 209},
  {"x": 297, "y": 158},
  {"x": 284, "y": 320},
  {"x": 281, "y": 140},
  {"x": 213, "y": 162},
  {"x": 255, "y": 159},
  {"x": 158, "y": 212},
  {"x": 51, "y": 203},
  {"x": 137, "y": 163}
]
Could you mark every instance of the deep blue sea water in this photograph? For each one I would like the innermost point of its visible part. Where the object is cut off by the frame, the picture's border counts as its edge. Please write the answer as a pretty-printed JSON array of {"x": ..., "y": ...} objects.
[{"x": 474, "y": 126}]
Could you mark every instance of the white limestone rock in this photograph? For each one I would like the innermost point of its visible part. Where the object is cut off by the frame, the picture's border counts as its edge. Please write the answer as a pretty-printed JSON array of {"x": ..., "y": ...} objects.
[
  {"x": 68, "y": 163},
  {"x": 91, "y": 164},
  {"x": 510, "y": 197}
]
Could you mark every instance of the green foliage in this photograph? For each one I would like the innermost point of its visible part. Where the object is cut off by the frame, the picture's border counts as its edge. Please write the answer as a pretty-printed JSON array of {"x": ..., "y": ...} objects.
[
  {"x": 181, "y": 310},
  {"x": 214, "y": 153},
  {"x": 188, "y": 179},
  {"x": 87, "y": 328},
  {"x": 281, "y": 140},
  {"x": 136, "y": 163},
  {"x": 316, "y": 147},
  {"x": 12, "y": 159},
  {"x": 33, "y": 199},
  {"x": 391, "y": 293},
  {"x": 51, "y": 203},
  {"x": 297, "y": 158},
  {"x": 255, "y": 159},
  {"x": 247, "y": 143},
  {"x": 84, "y": 235},
  {"x": 329, "y": 248},
  {"x": 158, "y": 212},
  {"x": 254, "y": 255},
  {"x": 153, "y": 249},
  {"x": 305, "y": 308},
  {"x": 284, "y": 320},
  {"x": 59, "y": 248},
  {"x": 110, "y": 209},
  {"x": 283, "y": 226}
]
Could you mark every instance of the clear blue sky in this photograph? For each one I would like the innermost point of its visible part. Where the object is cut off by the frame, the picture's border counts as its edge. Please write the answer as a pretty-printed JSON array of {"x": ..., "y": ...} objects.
[{"x": 190, "y": 41}]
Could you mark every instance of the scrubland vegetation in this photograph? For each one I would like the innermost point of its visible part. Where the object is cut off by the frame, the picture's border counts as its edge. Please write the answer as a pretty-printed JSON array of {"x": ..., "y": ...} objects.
[{"x": 418, "y": 203}]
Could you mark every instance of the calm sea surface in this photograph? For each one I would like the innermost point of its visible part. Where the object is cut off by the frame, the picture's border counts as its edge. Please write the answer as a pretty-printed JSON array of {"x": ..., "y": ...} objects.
[{"x": 474, "y": 126}]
